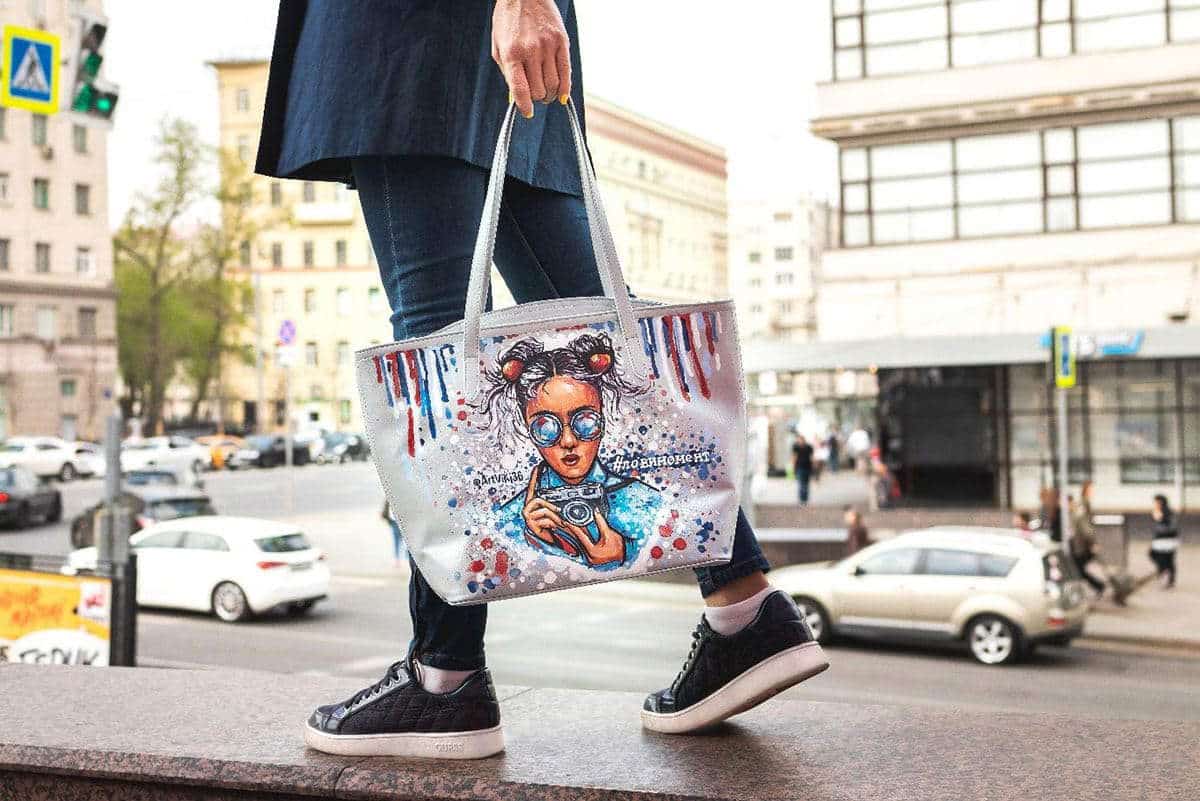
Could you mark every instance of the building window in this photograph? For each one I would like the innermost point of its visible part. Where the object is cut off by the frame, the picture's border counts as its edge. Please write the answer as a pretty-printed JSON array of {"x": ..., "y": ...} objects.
[
  {"x": 784, "y": 254},
  {"x": 277, "y": 302},
  {"x": 344, "y": 412},
  {"x": 79, "y": 138},
  {"x": 46, "y": 320},
  {"x": 343, "y": 301},
  {"x": 756, "y": 308},
  {"x": 310, "y": 354},
  {"x": 308, "y": 253},
  {"x": 87, "y": 322},
  {"x": 276, "y": 193},
  {"x": 243, "y": 148},
  {"x": 244, "y": 253},
  {"x": 41, "y": 257},
  {"x": 41, "y": 193},
  {"x": 84, "y": 264},
  {"x": 276, "y": 255},
  {"x": 3, "y": 187},
  {"x": 83, "y": 199},
  {"x": 309, "y": 192},
  {"x": 7, "y": 313},
  {"x": 310, "y": 301},
  {"x": 5, "y": 244},
  {"x": 785, "y": 279},
  {"x": 754, "y": 257},
  {"x": 755, "y": 283},
  {"x": 343, "y": 354},
  {"x": 339, "y": 251},
  {"x": 905, "y": 36},
  {"x": 243, "y": 99},
  {"x": 40, "y": 136},
  {"x": 784, "y": 306},
  {"x": 66, "y": 387},
  {"x": 374, "y": 299},
  {"x": 782, "y": 216},
  {"x": 1108, "y": 175}
]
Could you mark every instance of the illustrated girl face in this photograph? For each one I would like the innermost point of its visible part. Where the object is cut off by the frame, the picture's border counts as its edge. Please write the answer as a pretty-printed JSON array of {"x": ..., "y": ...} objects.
[{"x": 565, "y": 419}]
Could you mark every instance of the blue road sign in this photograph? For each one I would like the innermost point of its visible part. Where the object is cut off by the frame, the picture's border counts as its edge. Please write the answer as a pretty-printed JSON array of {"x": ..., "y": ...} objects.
[
  {"x": 30, "y": 70},
  {"x": 287, "y": 332}
]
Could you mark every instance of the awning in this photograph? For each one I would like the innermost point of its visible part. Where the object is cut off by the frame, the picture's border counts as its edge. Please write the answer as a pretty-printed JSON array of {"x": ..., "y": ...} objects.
[{"x": 962, "y": 351}]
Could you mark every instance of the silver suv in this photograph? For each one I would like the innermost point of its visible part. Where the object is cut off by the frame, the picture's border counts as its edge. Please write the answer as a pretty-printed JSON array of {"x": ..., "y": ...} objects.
[{"x": 991, "y": 588}]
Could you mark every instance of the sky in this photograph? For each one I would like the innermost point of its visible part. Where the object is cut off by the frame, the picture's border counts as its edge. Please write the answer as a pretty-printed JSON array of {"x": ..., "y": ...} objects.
[{"x": 739, "y": 75}]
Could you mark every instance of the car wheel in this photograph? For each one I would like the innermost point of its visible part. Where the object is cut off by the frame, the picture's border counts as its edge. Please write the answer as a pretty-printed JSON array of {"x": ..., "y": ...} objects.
[
  {"x": 299, "y": 608},
  {"x": 198, "y": 467},
  {"x": 67, "y": 473},
  {"x": 20, "y": 518},
  {"x": 229, "y": 602},
  {"x": 993, "y": 640},
  {"x": 816, "y": 617},
  {"x": 55, "y": 513}
]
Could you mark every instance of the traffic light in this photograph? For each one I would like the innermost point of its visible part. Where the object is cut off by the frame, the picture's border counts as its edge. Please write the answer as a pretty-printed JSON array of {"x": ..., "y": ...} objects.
[{"x": 91, "y": 96}]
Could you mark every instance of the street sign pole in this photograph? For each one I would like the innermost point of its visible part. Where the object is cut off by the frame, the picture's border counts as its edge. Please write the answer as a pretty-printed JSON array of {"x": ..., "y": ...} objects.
[{"x": 1062, "y": 355}]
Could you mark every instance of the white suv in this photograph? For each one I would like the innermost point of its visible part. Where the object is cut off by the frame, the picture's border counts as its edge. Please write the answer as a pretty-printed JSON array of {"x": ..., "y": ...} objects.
[
  {"x": 991, "y": 588},
  {"x": 44, "y": 456}
]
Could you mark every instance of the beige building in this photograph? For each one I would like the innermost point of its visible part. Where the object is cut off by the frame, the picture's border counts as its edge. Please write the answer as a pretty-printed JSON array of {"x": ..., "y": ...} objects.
[
  {"x": 664, "y": 192},
  {"x": 58, "y": 352}
]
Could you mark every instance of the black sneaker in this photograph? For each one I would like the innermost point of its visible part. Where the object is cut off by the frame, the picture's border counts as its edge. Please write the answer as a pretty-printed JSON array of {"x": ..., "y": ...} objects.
[
  {"x": 396, "y": 716},
  {"x": 724, "y": 676}
]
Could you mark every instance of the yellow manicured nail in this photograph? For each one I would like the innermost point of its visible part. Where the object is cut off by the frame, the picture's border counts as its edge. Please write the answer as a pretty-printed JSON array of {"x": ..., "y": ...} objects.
[
  {"x": 564, "y": 99},
  {"x": 529, "y": 116},
  {"x": 510, "y": 97}
]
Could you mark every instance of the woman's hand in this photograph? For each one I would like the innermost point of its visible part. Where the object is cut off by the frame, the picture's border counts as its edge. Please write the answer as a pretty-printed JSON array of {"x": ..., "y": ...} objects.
[
  {"x": 530, "y": 45},
  {"x": 541, "y": 517}
]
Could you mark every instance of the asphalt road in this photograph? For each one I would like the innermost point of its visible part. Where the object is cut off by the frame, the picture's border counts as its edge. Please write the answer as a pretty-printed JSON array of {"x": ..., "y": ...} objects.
[{"x": 623, "y": 636}]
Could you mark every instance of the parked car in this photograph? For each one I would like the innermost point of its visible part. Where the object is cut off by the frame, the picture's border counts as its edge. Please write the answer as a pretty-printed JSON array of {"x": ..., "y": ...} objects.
[
  {"x": 341, "y": 447},
  {"x": 147, "y": 505},
  {"x": 23, "y": 496},
  {"x": 89, "y": 459},
  {"x": 174, "y": 452},
  {"x": 998, "y": 593},
  {"x": 151, "y": 477},
  {"x": 233, "y": 567},
  {"x": 268, "y": 450},
  {"x": 221, "y": 447},
  {"x": 45, "y": 456}
]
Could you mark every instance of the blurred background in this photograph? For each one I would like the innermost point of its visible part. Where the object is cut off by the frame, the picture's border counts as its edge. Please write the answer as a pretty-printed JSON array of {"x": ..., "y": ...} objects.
[{"x": 902, "y": 197}]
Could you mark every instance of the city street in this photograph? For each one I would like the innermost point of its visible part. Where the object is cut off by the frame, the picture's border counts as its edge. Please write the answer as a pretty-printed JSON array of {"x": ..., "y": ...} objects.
[{"x": 623, "y": 636}]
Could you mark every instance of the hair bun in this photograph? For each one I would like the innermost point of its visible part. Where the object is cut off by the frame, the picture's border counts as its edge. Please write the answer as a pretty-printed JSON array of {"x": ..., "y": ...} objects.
[
  {"x": 512, "y": 369},
  {"x": 600, "y": 362}
]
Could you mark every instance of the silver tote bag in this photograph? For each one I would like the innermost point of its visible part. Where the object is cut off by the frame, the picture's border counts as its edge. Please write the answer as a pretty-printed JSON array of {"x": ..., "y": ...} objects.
[{"x": 563, "y": 442}]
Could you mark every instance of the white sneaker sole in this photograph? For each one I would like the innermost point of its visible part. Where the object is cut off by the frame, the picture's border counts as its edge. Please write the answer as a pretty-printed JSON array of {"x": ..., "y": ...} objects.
[
  {"x": 436, "y": 745},
  {"x": 768, "y": 678}
]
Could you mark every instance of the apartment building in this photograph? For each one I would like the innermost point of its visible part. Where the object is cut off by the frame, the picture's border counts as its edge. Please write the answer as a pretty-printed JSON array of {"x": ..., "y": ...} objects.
[
  {"x": 1006, "y": 166},
  {"x": 665, "y": 196},
  {"x": 58, "y": 350}
]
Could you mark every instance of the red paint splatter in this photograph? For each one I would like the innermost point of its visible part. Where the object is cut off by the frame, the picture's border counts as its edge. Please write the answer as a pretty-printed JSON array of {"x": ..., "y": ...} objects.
[
  {"x": 477, "y": 566},
  {"x": 378, "y": 370},
  {"x": 462, "y": 401},
  {"x": 679, "y": 544},
  {"x": 485, "y": 543},
  {"x": 412, "y": 373},
  {"x": 669, "y": 336},
  {"x": 462, "y": 415},
  {"x": 665, "y": 530},
  {"x": 708, "y": 336},
  {"x": 674, "y": 514},
  {"x": 656, "y": 552},
  {"x": 502, "y": 563}
]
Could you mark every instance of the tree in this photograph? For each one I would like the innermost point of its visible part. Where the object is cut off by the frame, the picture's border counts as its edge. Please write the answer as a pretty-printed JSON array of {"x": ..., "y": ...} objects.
[
  {"x": 152, "y": 264},
  {"x": 223, "y": 301}
]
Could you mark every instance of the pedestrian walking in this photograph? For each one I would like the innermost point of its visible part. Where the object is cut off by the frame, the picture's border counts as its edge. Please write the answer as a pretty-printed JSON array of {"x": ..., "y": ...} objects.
[
  {"x": 834, "y": 451},
  {"x": 1083, "y": 537},
  {"x": 820, "y": 459},
  {"x": 802, "y": 466},
  {"x": 1165, "y": 543},
  {"x": 1049, "y": 516},
  {"x": 857, "y": 536},
  {"x": 399, "y": 549},
  {"x": 403, "y": 101}
]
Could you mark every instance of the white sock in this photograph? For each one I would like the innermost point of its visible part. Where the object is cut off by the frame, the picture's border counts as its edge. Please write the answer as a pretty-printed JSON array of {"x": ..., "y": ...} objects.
[
  {"x": 436, "y": 680},
  {"x": 731, "y": 619}
]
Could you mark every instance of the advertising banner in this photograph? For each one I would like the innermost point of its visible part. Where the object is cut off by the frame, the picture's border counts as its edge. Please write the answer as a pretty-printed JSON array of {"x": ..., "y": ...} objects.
[{"x": 51, "y": 619}]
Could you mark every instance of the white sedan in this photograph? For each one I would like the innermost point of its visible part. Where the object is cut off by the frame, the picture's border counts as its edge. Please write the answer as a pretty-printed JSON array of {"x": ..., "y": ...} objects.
[
  {"x": 178, "y": 454},
  {"x": 233, "y": 567},
  {"x": 43, "y": 456}
]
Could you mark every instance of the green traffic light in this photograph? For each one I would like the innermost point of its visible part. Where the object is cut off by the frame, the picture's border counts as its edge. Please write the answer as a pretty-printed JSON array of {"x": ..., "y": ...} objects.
[
  {"x": 83, "y": 99},
  {"x": 91, "y": 64},
  {"x": 104, "y": 104}
]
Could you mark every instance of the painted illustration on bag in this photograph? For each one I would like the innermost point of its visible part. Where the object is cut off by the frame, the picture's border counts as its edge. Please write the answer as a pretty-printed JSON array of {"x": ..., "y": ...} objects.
[
  {"x": 565, "y": 469},
  {"x": 557, "y": 400}
]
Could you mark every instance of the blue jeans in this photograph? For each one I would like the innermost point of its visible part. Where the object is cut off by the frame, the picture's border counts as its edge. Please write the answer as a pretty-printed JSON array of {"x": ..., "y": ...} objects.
[
  {"x": 803, "y": 477},
  {"x": 422, "y": 214}
]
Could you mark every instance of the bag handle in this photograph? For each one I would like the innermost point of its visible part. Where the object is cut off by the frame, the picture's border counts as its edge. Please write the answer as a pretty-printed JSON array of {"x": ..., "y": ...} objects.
[{"x": 605, "y": 250}]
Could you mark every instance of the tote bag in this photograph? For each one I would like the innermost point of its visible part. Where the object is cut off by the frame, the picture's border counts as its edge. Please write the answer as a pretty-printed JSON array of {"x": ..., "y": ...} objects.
[{"x": 562, "y": 442}]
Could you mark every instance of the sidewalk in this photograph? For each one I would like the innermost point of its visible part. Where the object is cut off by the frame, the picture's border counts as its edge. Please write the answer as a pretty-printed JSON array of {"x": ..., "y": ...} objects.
[{"x": 1153, "y": 616}]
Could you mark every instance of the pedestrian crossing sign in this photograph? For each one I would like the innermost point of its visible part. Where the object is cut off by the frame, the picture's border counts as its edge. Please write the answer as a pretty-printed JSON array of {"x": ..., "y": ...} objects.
[
  {"x": 29, "y": 73},
  {"x": 1062, "y": 354}
]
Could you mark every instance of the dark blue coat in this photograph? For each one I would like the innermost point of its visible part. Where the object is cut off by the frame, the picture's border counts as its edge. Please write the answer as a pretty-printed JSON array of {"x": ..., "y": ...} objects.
[{"x": 402, "y": 77}]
